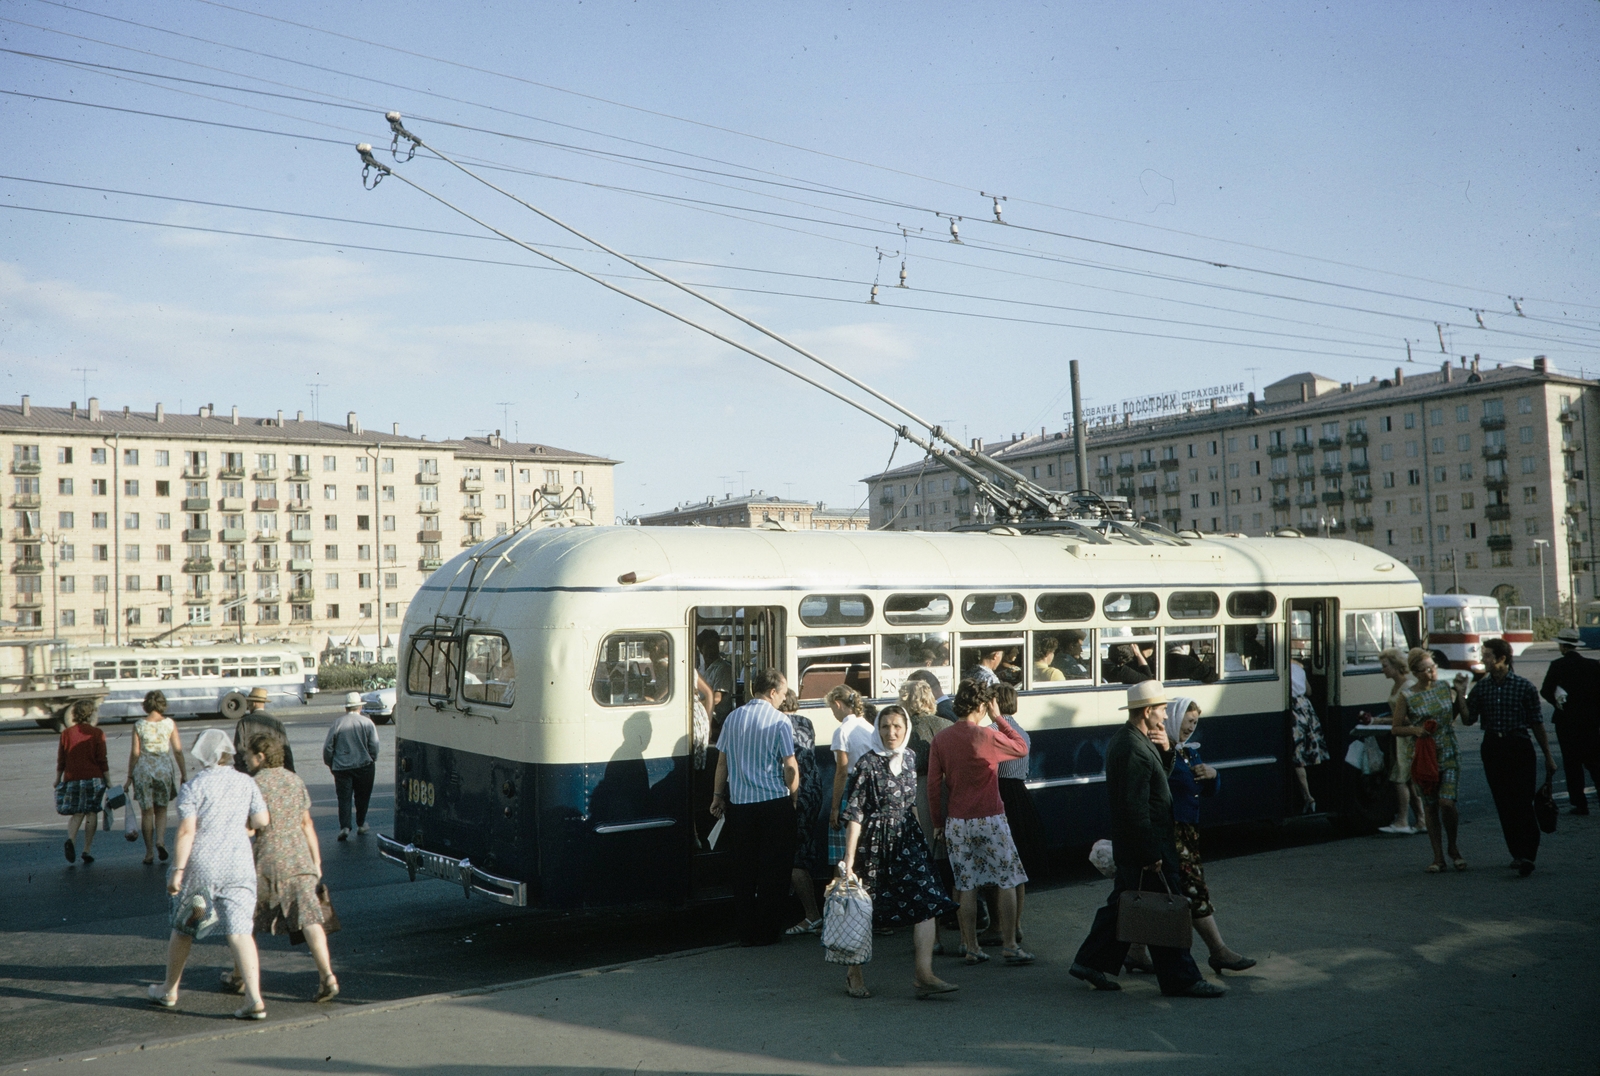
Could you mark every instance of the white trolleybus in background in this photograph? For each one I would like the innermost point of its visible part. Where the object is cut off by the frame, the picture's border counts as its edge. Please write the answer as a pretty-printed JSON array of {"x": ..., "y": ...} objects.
[
  {"x": 1459, "y": 624},
  {"x": 545, "y": 750},
  {"x": 197, "y": 680}
]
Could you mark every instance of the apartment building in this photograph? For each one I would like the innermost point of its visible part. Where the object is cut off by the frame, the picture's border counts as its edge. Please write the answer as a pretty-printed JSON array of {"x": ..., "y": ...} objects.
[
  {"x": 755, "y": 510},
  {"x": 123, "y": 526},
  {"x": 1479, "y": 479}
]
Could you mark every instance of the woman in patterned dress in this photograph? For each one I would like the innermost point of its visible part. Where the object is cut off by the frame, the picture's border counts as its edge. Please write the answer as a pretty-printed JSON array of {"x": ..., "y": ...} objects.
[
  {"x": 288, "y": 863},
  {"x": 155, "y": 770},
  {"x": 887, "y": 848},
  {"x": 213, "y": 872},
  {"x": 1310, "y": 748},
  {"x": 1430, "y": 709},
  {"x": 81, "y": 772},
  {"x": 810, "y": 849}
]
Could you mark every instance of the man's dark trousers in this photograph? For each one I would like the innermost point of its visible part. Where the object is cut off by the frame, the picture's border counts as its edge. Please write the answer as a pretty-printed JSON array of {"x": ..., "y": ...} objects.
[
  {"x": 1508, "y": 767},
  {"x": 354, "y": 789},
  {"x": 761, "y": 839},
  {"x": 1175, "y": 968},
  {"x": 1580, "y": 750}
]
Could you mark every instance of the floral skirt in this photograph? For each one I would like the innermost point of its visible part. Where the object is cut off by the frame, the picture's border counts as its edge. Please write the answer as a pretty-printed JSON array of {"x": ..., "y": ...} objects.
[
  {"x": 80, "y": 797},
  {"x": 982, "y": 853},
  {"x": 1309, "y": 746},
  {"x": 286, "y": 904},
  {"x": 1449, "y": 771},
  {"x": 155, "y": 780},
  {"x": 1191, "y": 874}
]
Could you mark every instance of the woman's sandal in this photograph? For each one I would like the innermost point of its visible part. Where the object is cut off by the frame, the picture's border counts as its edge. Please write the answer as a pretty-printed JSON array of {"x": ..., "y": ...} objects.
[
  {"x": 856, "y": 991},
  {"x": 242, "y": 1013},
  {"x": 805, "y": 926},
  {"x": 1460, "y": 863},
  {"x": 231, "y": 983},
  {"x": 976, "y": 957},
  {"x": 1435, "y": 868},
  {"x": 327, "y": 991},
  {"x": 935, "y": 988},
  {"x": 157, "y": 993},
  {"x": 1016, "y": 957}
]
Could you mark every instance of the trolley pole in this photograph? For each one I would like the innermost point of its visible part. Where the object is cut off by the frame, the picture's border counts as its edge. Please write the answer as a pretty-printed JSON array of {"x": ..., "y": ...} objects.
[{"x": 1080, "y": 451}]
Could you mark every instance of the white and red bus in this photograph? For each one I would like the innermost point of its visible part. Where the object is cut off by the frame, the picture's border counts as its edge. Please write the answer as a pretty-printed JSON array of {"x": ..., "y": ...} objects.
[
  {"x": 1457, "y": 626},
  {"x": 1516, "y": 627}
]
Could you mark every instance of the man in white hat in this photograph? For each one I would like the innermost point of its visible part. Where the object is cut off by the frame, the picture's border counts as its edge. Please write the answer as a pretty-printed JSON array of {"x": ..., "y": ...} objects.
[
  {"x": 1138, "y": 760},
  {"x": 1572, "y": 686},
  {"x": 351, "y": 752}
]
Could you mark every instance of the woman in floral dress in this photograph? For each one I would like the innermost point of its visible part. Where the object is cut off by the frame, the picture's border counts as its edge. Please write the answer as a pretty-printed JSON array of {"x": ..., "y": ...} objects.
[
  {"x": 810, "y": 849},
  {"x": 1310, "y": 748},
  {"x": 887, "y": 847},
  {"x": 155, "y": 771},
  {"x": 1430, "y": 709}
]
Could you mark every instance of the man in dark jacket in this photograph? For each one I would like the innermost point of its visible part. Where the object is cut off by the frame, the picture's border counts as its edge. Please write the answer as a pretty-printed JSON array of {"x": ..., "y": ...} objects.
[
  {"x": 1138, "y": 761},
  {"x": 1572, "y": 686},
  {"x": 256, "y": 719}
]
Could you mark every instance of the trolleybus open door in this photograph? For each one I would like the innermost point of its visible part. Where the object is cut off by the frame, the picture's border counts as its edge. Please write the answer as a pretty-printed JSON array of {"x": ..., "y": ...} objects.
[
  {"x": 748, "y": 638},
  {"x": 1312, "y": 624}
]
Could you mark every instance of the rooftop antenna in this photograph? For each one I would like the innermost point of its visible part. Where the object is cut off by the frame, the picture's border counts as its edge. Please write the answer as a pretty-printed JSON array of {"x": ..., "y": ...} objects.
[
  {"x": 505, "y": 413},
  {"x": 86, "y": 371},
  {"x": 996, "y": 199},
  {"x": 316, "y": 399},
  {"x": 1253, "y": 371},
  {"x": 1516, "y": 304},
  {"x": 1439, "y": 328}
]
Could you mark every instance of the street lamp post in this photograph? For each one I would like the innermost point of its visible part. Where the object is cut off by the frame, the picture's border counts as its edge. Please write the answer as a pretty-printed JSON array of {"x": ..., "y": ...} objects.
[{"x": 1540, "y": 544}]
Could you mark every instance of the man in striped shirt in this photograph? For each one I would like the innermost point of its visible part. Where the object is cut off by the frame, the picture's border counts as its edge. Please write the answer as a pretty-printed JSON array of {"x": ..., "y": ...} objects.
[{"x": 756, "y": 786}]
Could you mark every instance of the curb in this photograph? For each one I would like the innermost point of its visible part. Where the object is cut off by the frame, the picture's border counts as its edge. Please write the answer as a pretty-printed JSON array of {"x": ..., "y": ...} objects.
[{"x": 355, "y": 1011}]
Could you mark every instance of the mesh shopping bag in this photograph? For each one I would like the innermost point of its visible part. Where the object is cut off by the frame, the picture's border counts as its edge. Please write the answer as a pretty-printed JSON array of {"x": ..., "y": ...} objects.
[{"x": 847, "y": 921}]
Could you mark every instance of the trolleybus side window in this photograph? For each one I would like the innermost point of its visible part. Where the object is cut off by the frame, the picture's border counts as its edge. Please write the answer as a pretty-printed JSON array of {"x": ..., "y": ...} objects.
[
  {"x": 105, "y": 670},
  {"x": 902, "y": 655},
  {"x": 835, "y": 610},
  {"x": 975, "y": 645},
  {"x": 209, "y": 667},
  {"x": 1252, "y": 604},
  {"x": 1367, "y": 635},
  {"x": 916, "y": 609},
  {"x": 491, "y": 674},
  {"x": 1447, "y": 619},
  {"x": 994, "y": 608},
  {"x": 191, "y": 667},
  {"x": 1061, "y": 658},
  {"x": 1249, "y": 649},
  {"x": 431, "y": 668},
  {"x": 1129, "y": 655},
  {"x": 826, "y": 661},
  {"x": 1131, "y": 605},
  {"x": 634, "y": 669},
  {"x": 1190, "y": 650},
  {"x": 1192, "y": 605},
  {"x": 1064, "y": 608}
]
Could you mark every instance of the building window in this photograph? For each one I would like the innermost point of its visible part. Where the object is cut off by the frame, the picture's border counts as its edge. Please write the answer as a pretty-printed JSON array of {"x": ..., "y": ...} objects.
[
  {"x": 1386, "y": 424},
  {"x": 1530, "y": 494},
  {"x": 330, "y": 463},
  {"x": 388, "y": 523},
  {"x": 64, "y": 520},
  {"x": 97, "y": 455},
  {"x": 330, "y": 493},
  {"x": 1530, "y": 464},
  {"x": 363, "y": 552},
  {"x": 363, "y": 493},
  {"x": 1500, "y": 558},
  {"x": 1413, "y": 478},
  {"x": 391, "y": 609},
  {"x": 67, "y": 584},
  {"x": 330, "y": 523},
  {"x": 361, "y": 464},
  {"x": 391, "y": 553},
  {"x": 365, "y": 610},
  {"x": 391, "y": 579},
  {"x": 101, "y": 618},
  {"x": 69, "y": 618},
  {"x": 330, "y": 552},
  {"x": 1411, "y": 420},
  {"x": 333, "y": 612}
]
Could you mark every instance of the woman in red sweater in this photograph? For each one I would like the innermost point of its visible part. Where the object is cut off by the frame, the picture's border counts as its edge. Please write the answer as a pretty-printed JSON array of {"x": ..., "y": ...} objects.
[
  {"x": 81, "y": 773},
  {"x": 964, "y": 760}
]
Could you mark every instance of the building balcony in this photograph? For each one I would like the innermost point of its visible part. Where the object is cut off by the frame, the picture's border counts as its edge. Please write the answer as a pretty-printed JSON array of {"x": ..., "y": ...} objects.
[
  {"x": 196, "y": 536},
  {"x": 1171, "y": 489},
  {"x": 1333, "y": 468},
  {"x": 887, "y": 500},
  {"x": 1361, "y": 493},
  {"x": 427, "y": 478},
  {"x": 471, "y": 539},
  {"x": 1277, "y": 450},
  {"x": 26, "y": 500},
  {"x": 1330, "y": 442},
  {"x": 1172, "y": 515},
  {"x": 297, "y": 506},
  {"x": 1496, "y": 481},
  {"x": 269, "y": 596},
  {"x": 1569, "y": 447},
  {"x": 1126, "y": 490},
  {"x": 1567, "y": 415},
  {"x": 1105, "y": 472},
  {"x": 1363, "y": 523},
  {"x": 429, "y": 564},
  {"x": 298, "y": 476},
  {"x": 265, "y": 474},
  {"x": 231, "y": 535},
  {"x": 265, "y": 536},
  {"x": 300, "y": 564},
  {"x": 231, "y": 504},
  {"x": 1494, "y": 452},
  {"x": 268, "y": 565},
  {"x": 1126, "y": 469},
  {"x": 196, "y": 473},
  {"x": 1499, "y": 541},
  {"x": 1147, "y": 465},
  {"x": 1356, "y": 437},
  {"x": 1498, "y": 511},
  {"x": 1169, "y": 465},
  {"x": 1333, "y": 496},
  {"x": 26, "y": 467},
  {"x": 302, "y": 594},
  {"x": 472, "y": 485},
  {"x": 1336, "y": 526},
  {"x": 197, "y": 504},
  {"x": 470, "y": 512},
  {"x": 197, "y": 599},
  {"x": 28, "y": 567},
  {"x": 963, "y": 514},
  {"x": 431, "y": 508},
  {"x": 233, "y": 564},
  {"x": 301, "y": 535},
  {"x": 199, "y": 565},
  {"x": 1493, "y": 422},
  {"x": 1281, "y": 502},
  {"x": 264, "y": 504},
  {"x": 1306, "y": 500},
  {"x": 29, "y": 599},
  {"x": 426, "y": 537},
  {"x": 1303, "y": 448},
  {"x": 1360, "y": 466}
]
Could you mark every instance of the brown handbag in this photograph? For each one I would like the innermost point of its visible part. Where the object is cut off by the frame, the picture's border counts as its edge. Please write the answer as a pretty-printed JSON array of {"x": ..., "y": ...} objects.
[{"x": 1152, "y": 918}]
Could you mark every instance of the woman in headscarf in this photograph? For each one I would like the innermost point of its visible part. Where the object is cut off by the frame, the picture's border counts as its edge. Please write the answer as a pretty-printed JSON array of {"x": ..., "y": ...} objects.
[
  {"x": 213, "y": 878},
  {"x": 155, "y": 770},
  {"x": 1190, "y": 779},
  {"x": 810, "y": 848},
  {"x": 81, "y": 772},
  {"x": 889, "y": 852}
]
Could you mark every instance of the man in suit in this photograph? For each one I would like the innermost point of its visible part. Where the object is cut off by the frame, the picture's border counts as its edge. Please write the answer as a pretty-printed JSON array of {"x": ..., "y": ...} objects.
[
  {"x": 1572, "y": 686},
  {"x": 256, "y": 719}
]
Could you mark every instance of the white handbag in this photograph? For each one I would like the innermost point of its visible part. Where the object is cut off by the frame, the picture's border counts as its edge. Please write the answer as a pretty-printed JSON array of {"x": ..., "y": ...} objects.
[{"x": 847, "y": 921}]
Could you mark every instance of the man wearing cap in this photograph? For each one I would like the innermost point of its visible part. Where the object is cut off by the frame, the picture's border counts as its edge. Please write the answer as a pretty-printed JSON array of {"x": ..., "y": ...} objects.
[
  {"x": 351, "y": 752},
  {"x": 1572, "y": 686},
  {"x": 256, "y": 719},
  {"x": 1138, "y": 760}
]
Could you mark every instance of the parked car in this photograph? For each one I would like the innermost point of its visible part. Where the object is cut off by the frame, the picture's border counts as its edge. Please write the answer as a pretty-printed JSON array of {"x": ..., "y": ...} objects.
[{"x": 379, "y": 705}]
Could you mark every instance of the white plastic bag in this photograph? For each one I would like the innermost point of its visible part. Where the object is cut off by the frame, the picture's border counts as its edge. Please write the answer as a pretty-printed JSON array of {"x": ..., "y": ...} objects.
[
  {"x": 847, "y": 921},
  {"x": 131, "y": 829},
  {"x": 1354, "y": 754},
  {"x": 1100, "y": 855}
]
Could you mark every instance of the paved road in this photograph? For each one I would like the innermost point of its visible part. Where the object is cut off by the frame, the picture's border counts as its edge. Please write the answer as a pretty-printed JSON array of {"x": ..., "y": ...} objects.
[{"x": 79, "y": 943}]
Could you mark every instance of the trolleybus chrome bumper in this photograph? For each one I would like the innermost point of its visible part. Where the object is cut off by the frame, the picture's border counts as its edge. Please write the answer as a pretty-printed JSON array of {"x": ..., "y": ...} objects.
[{"x": 459, "y": 871}]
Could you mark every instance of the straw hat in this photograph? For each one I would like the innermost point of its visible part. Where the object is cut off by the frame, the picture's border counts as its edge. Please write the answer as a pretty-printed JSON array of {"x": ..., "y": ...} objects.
[
  {"x": 258, "y": 694},
  {"x": 1570, "y": 637},
  {"x": 1147, "y": 693},
  {"x": 352, "y": 700}
]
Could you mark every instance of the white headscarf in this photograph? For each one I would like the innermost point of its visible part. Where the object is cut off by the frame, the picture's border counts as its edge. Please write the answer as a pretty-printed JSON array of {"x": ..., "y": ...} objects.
[
  {"x": 1176, "y": 709},
  {"x": 897, "y": 757},
  {"x": 209, "y": 747}
]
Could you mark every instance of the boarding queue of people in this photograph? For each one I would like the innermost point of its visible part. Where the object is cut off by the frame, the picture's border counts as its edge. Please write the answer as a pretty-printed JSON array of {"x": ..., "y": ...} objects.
[{"x": 246, "y": 859}]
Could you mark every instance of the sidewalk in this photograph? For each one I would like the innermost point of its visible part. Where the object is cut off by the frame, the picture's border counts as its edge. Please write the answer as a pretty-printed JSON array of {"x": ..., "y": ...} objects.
[{"x": 1365, "y": 963}]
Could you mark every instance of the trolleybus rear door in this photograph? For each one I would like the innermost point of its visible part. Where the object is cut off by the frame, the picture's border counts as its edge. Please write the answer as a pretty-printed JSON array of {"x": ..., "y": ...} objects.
[{"x": 1312, "y": 624}]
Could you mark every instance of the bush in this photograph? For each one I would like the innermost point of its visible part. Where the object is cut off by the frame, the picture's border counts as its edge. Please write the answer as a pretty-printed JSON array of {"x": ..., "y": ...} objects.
[
  {"x": 351, "y": 677},
  {"x": 1545, "y": 628}
]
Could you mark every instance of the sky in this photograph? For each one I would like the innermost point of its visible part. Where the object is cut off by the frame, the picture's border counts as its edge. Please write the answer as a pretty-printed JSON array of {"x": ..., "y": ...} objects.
[{"x": 1194, "y": 195}]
